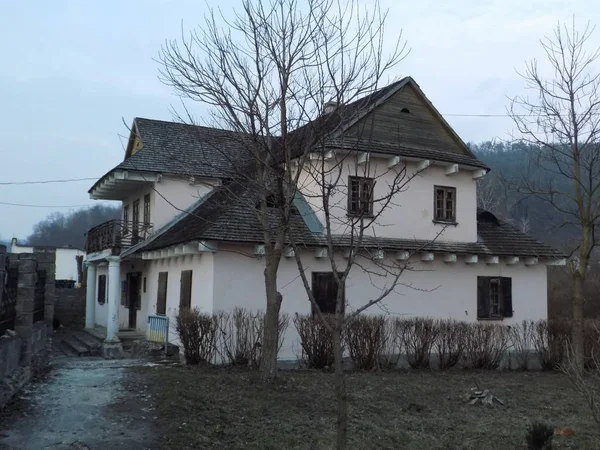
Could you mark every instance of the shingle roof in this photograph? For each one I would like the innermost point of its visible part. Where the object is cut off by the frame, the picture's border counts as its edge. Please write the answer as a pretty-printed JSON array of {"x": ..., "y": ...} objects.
[
  {"x": 181, "y": 149},
  {"x": 221, "y": 219},
  {"x": 228, "y": 214},
  {"x": 501, "y": 238}
]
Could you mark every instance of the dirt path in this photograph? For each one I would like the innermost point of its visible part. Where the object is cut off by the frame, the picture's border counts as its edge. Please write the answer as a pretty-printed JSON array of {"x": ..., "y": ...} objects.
[{"x": 86, "y": 403}]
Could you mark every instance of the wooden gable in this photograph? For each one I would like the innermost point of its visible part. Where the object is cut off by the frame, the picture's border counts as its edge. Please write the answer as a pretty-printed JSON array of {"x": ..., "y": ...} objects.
[
  {"x": 135, "y": 143},
  {"x": 407, "y": 118}
]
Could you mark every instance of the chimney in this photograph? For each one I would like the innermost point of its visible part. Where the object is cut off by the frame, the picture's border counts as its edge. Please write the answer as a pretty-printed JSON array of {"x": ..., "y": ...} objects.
[{"x": 329, "y": 107}]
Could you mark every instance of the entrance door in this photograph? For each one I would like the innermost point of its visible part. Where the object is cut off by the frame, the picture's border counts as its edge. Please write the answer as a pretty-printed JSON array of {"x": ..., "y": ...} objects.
[{"x": 134, "y": 297}]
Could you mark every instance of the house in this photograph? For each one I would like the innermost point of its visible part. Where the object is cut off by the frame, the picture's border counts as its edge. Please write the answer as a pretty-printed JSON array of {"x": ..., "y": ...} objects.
[
  {"x": 184, "y": 240},
  {"x": 67, "y": 269}
]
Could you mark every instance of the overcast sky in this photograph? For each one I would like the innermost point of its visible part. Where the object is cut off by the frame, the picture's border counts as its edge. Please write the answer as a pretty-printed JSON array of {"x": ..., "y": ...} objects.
[{"x": 73, "y": 70}]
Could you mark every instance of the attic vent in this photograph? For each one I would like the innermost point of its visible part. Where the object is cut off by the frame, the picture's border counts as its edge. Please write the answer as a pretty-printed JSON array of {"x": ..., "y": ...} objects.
[{"x": 405, "y": 110}]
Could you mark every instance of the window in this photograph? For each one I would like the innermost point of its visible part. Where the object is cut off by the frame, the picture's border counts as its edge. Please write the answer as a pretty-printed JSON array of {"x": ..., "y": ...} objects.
[
  {"x": 360, "y": 196},
  {"x": 147, "y": 210},
  {"x": 161, "y": 298},
  {"x": 125, "y": 219},
  {"x": 185, "y": 295},
  {"x": 325, "y": 291},
  {"x": 102, "y": 289},
  {"x": 494, "y": 297},
  {"x": 144, "y": 285},
  {"x": 445, "y": 204},
  {"x": 136, "y": 219}
]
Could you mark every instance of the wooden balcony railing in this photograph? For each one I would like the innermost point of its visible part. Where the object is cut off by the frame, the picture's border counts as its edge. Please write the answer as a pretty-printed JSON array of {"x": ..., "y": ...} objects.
[{"x": 116, "y": 235}]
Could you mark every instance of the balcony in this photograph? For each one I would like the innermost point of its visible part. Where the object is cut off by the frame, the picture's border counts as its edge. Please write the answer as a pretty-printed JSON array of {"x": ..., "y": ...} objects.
[{"x": 116, "y": 235}]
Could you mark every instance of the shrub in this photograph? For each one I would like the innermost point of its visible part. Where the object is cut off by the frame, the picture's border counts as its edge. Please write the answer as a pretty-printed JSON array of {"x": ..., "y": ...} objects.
[
  {"x": 316, "y": 341},
  {"x": 240, "y": 333},
  {"x": 521, "y": 336},
  {"x": 367, "y": 339},
  {"x": 485, "y": 345},
  {"x": 418, "y": 337},
  {"x": 539, "y": 436},
  {"x": 197, "y": 333},
  {"x": 549, "y": 340},
  {"x": 450, "y": 342},
  {"x": 591, "y": 344}
]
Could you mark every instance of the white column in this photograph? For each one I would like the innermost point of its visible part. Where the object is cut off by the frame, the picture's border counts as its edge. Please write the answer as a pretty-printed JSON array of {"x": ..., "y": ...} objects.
[
  {"x": 114, "y": 298},
  {"x": 90, "y": 296}
]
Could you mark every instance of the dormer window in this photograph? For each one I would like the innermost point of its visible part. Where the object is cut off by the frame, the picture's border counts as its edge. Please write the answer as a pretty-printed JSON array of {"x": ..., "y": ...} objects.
[{"x": 445, "y": 204}]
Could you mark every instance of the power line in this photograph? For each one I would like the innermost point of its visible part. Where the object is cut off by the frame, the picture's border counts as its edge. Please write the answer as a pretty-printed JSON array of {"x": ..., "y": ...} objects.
[
  {"x": 44, "y": 206},
  {"x": 68, "y": 180}
]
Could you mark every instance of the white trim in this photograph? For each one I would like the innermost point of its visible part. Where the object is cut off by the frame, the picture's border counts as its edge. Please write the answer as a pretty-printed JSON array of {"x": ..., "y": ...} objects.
[
  {"x": 449, "y": 257},
  {"x": 403, "y": 255},
  {"x": 492, "y": 260},
  {"x": 393, "y": 162},
  {"x": 427, "y": 256},
  {"x": 479, "y": 173},
  {"x": 362, "y": 158},
  {"x": 471, "y": 259},
  {"x": 424, "y": 164},
  {"x": 451, "y": 169},
  {"x": 321, "y": 252},
  {"x": 531, "y": 261}
]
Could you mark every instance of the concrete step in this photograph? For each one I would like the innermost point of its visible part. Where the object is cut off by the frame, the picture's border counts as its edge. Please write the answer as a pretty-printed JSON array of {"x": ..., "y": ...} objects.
[
  {"x": 76, "y": 346},
  {"x": 88, "y": 340},
  {"x": 66, "y": 350}
]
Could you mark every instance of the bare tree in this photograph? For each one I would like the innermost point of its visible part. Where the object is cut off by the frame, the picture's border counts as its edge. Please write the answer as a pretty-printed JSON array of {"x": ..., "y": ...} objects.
[
  {"x": 267, "y": 72},
  {"x": 562, "y": 121}
]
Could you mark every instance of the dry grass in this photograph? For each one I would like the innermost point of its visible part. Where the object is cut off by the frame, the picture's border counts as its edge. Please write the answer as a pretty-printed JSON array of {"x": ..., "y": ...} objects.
[{"x": 230, "y": 409}]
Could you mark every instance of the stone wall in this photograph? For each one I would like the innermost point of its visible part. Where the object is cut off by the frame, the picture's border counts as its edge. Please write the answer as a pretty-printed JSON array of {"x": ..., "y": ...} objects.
[
  {"x": 69, "y": 306},
  {"x": 24, "y": 351}
]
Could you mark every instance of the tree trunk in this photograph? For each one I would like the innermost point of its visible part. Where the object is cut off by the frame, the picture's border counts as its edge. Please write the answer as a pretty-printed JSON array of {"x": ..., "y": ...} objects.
[
  {"x": 270, "y": 341},
  {"x": 340, "y": 388},
  {"x": 577, "y": 333}
]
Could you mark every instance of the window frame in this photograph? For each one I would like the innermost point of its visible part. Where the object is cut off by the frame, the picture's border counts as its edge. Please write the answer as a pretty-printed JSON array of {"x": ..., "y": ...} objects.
[
  {"x": 101, "y": 289},
  {"x": 159, "y": 293},
  {"x": 446, "y": 190},
  {"x": 494, "y": 295},
  {"x": 313, "y": 285},
  {"x": 360, "y": 210},
  {"x": 126, "y": 219},
  {"x": 146, "y": 212}
]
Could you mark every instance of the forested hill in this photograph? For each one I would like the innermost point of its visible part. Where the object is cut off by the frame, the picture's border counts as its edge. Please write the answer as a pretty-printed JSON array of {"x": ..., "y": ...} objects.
[
  {"x": 501, "y": 191},
  {"x": 69, "y": 229}
]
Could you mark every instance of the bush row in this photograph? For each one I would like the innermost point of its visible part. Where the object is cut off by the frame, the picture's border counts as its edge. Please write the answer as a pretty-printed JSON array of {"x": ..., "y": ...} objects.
[
  {"x": 231, "y": 337},
  {"x": 377, "y": 342}
]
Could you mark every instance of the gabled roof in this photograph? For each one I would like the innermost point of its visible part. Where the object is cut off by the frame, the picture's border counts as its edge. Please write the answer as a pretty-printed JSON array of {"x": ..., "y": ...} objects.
[{"x": 181, "y": 149}]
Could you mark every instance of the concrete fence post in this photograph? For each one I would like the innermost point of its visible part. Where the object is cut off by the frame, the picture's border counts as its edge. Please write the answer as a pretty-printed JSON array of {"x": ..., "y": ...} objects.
[
  {"x": 24, "y": 307},
  {"x": 47, "y": 260}
]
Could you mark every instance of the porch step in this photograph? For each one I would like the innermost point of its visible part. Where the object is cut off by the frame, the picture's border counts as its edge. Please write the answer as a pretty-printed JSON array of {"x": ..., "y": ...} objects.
[
  {"x": 75, "y": 346},
  {"x": 88, "y": 340}
]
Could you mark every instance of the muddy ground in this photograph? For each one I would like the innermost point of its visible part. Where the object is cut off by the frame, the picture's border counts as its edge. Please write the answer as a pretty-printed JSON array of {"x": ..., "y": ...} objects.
[{"x": 83, "y": 403}]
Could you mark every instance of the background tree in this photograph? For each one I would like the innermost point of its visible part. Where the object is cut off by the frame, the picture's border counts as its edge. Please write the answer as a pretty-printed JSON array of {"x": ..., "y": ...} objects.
[
  {"x": 69, "y": 229},
  {"x": 265, "y": 73},
  {"x": 561, "y": 123}
]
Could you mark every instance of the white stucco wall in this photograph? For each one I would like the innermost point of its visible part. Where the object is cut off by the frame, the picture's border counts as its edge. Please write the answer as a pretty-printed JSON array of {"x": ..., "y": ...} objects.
[
  {"x": 410, "y": 214},
  {"x": 176, "y": 194},
  {"x": 202, "y": 284},
  {"x": 435, "y": 289},
  {"x": 66, "y": 264}
]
